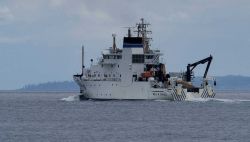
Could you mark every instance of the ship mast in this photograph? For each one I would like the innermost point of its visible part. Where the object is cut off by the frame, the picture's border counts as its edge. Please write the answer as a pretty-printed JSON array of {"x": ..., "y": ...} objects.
[
  {"x": 143, "y": 33},
  {"x": 114, "y": 43}
]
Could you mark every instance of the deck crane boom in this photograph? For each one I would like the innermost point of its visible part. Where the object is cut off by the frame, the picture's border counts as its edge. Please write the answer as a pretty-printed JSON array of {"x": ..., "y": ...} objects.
[{"x": 191, "y": 67}]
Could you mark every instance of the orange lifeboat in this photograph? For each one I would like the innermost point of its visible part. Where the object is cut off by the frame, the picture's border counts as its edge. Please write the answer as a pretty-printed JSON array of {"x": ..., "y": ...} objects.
[{"x": 147, "y": 74}]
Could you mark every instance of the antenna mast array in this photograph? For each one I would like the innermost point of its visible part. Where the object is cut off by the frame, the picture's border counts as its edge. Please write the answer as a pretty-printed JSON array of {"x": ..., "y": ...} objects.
[{"x": 143, "y": 32}]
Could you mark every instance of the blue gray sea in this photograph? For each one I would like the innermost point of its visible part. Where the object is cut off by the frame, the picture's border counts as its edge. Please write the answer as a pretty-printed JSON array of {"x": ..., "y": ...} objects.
[{"x": 61, "y": 117}]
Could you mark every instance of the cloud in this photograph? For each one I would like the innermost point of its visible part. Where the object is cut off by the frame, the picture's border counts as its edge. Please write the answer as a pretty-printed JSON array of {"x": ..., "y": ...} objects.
[
  {"x": 56, "y": 3},
  {"x": 13, "y": 40},
  {"x": 5, "y": 14},
  {"x": 183, "y": 30}
]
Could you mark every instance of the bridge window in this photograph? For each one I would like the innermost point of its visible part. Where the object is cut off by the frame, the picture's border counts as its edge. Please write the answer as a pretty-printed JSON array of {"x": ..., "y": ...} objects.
[
  {"x": 105, "y": 56},
  {"x": 137, "y": 58},
  {"x": 149, "y": 57},
  {"x": 112, "y": 56},
  {"x": 119, "y": 56}
]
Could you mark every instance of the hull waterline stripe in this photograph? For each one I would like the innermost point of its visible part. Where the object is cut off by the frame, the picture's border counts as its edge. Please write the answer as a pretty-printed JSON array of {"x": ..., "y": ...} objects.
[
  {"x": 174, "y": 94},
  {"x": 184, "y": 95}
]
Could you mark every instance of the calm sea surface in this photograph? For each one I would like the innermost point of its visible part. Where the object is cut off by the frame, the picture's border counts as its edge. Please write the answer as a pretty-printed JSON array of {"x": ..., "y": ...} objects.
[{"x": 59, "y": 117}]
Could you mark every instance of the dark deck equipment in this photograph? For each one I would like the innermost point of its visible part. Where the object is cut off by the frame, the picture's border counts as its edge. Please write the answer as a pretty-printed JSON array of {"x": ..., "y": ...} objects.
[{"x": 190, "y": 67}]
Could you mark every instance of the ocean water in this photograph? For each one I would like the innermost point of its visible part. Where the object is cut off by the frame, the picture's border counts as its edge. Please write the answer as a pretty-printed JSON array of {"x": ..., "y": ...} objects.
[{"x": 60, "y": 117}]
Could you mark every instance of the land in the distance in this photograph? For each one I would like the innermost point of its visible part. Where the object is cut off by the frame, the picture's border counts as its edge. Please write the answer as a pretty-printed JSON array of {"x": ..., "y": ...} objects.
[{"x": 230, "y": 82}]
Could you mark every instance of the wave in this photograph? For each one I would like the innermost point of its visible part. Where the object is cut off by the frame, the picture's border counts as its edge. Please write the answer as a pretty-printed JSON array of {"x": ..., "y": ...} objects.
[
  {"x": 71, "y": 98},
  {"x": 197, "y": 99},
  {"x": 162, "y": 100},
  {"x": 232, "y": 100},
  {"x": 217, "y": 100},
  {"x": 189, "y": 99}
]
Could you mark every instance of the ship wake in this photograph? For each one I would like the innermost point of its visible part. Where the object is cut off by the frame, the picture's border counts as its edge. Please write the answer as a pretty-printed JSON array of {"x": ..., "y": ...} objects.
[
  {"x": 217, "y": 100},
  {"x": 70, "y": 98}
]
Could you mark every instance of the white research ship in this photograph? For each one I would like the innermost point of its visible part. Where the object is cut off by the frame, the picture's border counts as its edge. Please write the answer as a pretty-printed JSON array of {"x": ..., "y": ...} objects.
[{"x": 136, "y": 73}]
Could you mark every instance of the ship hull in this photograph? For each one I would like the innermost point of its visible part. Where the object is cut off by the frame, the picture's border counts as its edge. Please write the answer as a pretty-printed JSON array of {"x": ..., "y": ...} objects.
[{"x": 115, "y": 90}]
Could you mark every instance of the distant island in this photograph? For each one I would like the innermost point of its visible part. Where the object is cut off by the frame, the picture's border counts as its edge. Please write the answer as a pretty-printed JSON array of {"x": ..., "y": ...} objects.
[
  {"x": 65, "y": 86},
  {"x": 230, "y": 82}
]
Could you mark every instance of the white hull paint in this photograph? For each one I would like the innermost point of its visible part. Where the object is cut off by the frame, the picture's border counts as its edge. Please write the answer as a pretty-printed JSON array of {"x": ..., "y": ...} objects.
[{"x": 113, "y": 90}]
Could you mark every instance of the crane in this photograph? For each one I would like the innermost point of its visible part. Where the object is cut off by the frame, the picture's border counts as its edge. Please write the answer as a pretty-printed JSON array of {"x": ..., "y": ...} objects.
[{"x": 191, "y": 67}]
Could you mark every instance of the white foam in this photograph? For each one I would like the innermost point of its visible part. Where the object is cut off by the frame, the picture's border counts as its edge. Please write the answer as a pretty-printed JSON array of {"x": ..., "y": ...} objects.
[
  {"x": 197, "y": 99},
  {"x": 216, "y": 100},
  {"x": 162, "y": 100},
  {"x": 244, "y": 100},
  {"x": 71, "y": 98},
  {"x": 224, "y": 100}
]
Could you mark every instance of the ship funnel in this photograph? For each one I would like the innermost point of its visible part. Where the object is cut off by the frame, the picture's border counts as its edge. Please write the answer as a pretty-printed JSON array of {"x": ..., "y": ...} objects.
[{"x": 114, "y": 43}]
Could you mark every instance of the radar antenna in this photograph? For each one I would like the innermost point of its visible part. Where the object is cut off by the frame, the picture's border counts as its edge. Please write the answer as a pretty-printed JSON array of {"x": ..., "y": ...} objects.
[{"x": 144, "y": 34}]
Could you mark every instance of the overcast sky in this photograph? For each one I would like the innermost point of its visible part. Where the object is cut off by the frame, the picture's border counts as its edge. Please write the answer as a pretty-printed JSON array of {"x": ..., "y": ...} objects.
[{"x": 40, "y": 40}]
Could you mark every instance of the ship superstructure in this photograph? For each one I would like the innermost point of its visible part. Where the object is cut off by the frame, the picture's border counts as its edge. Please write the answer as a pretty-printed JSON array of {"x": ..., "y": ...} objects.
[{"x": 135, "y": 72}]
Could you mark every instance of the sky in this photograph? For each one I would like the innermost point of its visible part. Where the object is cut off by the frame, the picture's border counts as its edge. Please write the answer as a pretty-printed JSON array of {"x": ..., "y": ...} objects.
[{"x": 40, "y": 40}]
